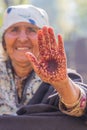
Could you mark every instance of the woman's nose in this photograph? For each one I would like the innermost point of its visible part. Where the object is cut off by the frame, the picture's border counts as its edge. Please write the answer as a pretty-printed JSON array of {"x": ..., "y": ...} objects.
[{"x": 22, "y": 36}]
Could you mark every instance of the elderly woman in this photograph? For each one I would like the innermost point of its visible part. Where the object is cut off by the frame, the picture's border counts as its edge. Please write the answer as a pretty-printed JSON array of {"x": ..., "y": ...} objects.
[{"x": 33, "y": 68}]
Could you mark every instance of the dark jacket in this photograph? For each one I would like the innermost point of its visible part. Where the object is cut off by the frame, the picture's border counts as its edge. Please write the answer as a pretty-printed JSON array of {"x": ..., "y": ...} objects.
[{"x": 42, "y": 112}]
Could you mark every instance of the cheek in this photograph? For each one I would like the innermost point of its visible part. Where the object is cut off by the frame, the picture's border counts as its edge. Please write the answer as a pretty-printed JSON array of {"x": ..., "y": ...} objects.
[
  {"x": 35, "y": 49},
  {"x": 35, "y": 45},
  {"x": 9, "y": 47},
  {"x": 9, "y": 41}
]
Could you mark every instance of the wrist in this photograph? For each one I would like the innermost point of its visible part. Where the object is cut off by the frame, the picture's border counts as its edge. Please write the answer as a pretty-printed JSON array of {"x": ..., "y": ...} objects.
[
  {"x": 68, "y": 91},
  {"x": 60, "y": 84},
  {"x": 81, "y": 101}
]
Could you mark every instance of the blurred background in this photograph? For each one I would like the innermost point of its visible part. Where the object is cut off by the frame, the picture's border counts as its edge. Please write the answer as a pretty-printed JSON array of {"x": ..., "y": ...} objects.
[{"x": 69, "y": 18}]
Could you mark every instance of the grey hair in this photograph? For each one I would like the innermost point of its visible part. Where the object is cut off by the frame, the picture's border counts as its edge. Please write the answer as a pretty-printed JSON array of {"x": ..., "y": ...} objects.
[{"x": 3, "y": 52}]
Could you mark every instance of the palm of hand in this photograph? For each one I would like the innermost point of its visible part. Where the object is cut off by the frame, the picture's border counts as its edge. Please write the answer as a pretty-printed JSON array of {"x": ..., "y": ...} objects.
[{"x": 51, "y": 66}]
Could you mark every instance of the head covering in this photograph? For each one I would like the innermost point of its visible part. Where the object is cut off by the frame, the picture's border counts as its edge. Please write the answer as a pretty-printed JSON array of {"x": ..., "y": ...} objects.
[{"x": 24, "y": 13}]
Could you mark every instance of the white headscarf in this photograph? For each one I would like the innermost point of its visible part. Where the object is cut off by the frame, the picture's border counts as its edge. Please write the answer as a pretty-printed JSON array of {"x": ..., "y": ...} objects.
[{"x": 24, "y": 13}]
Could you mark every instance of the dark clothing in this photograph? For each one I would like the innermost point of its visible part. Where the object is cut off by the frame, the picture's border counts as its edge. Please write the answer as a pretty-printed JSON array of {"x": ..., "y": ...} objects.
[
  {"x": 42, "y": 111},
  {"x": 42, "y": 117}
]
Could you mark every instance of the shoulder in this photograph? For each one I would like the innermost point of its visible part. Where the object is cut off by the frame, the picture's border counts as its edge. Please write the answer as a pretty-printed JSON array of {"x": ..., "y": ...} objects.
[
  {"x": 2, "y": 66},
  {"x": 74, "y": 75},
  {"x": 2, "y": 62}
]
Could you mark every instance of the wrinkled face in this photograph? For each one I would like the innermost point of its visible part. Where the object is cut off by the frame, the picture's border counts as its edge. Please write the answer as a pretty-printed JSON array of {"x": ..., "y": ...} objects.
[{"x": 19, "y": 39}]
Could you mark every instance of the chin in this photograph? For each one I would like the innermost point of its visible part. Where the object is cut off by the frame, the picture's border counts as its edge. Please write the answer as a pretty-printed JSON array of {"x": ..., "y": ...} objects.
[{"x": 20, "y": 59}]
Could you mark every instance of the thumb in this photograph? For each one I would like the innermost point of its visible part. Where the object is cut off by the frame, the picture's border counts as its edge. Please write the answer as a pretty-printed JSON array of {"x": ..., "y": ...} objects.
[{"x": 32, "y": 59}]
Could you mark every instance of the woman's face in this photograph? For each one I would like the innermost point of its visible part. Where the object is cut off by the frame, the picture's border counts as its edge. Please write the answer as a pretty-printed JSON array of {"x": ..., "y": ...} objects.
[{"x": 19, "y": 39}]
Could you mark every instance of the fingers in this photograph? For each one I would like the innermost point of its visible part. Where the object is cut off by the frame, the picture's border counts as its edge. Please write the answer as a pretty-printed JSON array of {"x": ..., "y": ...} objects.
[
  {"x": 43, "y": 41},
  {"x": 61, "y": 45},
  {"x": 52, "y": 38},
  {"x": 32, "y": 59},
  {"x": 46, "y": 41},
  {"x": 46, "y": 36}
]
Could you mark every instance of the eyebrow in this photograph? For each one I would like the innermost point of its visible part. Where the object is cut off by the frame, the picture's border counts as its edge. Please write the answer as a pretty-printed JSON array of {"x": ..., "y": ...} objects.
[{"x": 25, "y": 26}]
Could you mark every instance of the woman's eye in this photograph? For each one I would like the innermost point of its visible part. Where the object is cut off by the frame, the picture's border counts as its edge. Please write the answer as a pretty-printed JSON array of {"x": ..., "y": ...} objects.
[
  {"x": 32, "y": 30},
  {"x": 15, "y": 29}
]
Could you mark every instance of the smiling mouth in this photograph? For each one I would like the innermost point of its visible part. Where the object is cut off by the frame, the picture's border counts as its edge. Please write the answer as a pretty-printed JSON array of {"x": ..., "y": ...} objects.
[{"x": 23, "y": 48}]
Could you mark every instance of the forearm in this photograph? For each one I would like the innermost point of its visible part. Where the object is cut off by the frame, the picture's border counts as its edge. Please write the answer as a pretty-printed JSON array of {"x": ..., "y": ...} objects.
[
  {"x": 68, "y": 91},
  {"x": 72, "y": 98}
]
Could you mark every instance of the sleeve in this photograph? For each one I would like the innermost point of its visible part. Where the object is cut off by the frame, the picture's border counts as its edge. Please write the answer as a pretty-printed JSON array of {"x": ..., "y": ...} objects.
[
  {"x": 76, "y": 77},
  {"x": 79, "y": 108}
]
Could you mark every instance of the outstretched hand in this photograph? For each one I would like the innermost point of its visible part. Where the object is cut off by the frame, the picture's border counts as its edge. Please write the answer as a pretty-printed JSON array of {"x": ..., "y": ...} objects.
[{"x": 51, "y": 65}]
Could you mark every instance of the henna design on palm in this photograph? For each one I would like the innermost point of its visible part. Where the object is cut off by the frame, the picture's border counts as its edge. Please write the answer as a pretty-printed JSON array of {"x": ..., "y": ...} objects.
[{"x": 51, "y": 65}]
